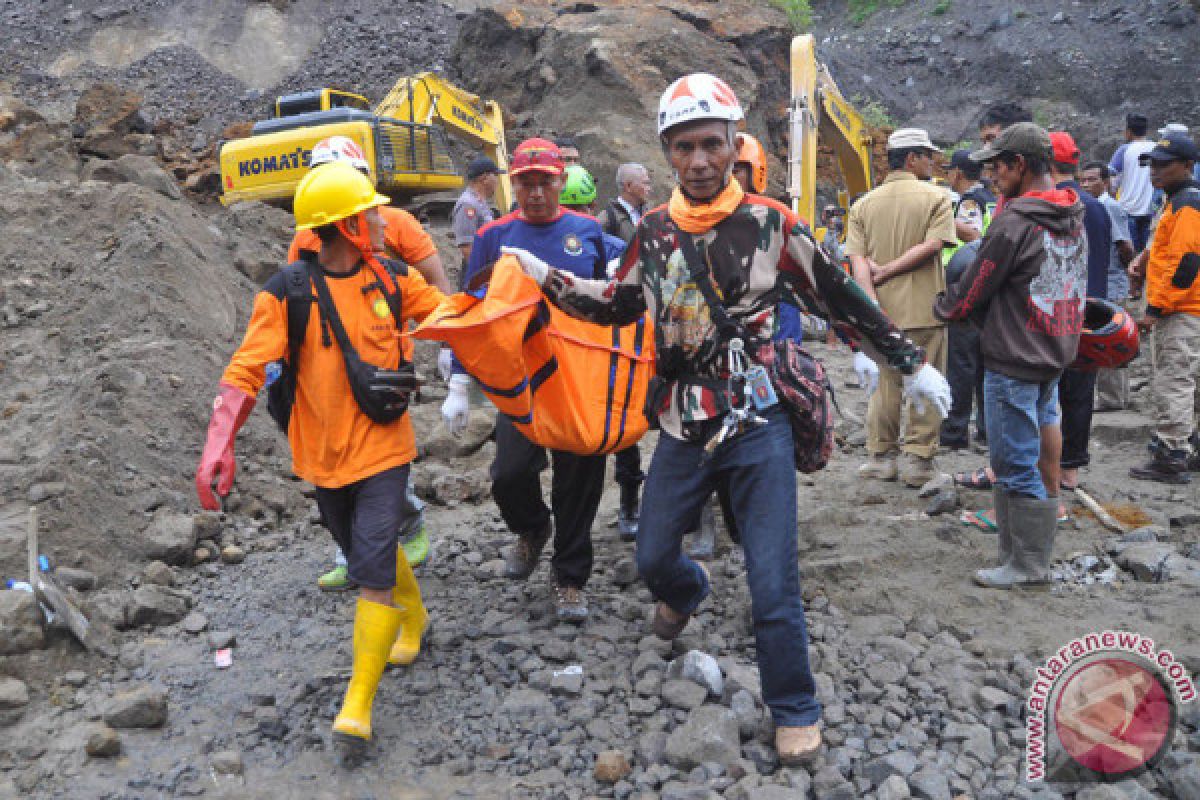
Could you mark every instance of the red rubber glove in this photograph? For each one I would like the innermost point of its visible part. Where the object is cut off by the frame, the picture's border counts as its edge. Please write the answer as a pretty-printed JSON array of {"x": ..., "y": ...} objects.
[{"x": 230, "y": 410}]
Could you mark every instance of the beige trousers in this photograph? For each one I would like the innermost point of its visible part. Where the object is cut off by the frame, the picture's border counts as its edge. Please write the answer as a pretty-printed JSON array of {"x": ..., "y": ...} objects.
[
  {"x": 887, "y": 405},
  {"x": 1174, "y": 382}
]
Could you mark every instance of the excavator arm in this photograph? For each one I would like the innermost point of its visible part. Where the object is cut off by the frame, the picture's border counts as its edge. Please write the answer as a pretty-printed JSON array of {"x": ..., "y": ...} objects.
[
  {"x": 428, "y": 99},
  {"x": 818, "y": 111}
]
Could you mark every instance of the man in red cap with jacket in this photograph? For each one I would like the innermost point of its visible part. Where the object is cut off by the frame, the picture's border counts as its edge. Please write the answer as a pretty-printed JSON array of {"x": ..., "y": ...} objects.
[{"x": 575, "y": 242}]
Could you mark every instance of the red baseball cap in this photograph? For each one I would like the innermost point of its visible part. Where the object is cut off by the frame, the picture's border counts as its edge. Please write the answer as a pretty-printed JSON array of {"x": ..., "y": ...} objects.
[
  {"x": 536, "y": 155},
  {"x": 1064, "y": 148}
]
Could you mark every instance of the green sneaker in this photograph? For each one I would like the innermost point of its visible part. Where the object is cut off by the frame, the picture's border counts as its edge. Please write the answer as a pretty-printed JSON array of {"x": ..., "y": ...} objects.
[
  {"x": 416, "y": 547},
  {"x": 336, "y": 580}
]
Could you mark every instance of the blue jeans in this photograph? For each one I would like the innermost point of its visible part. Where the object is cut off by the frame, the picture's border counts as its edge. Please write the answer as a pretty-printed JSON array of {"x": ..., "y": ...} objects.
[
  {"x": 1016, "y": 412},
  {"x": 758, "y": 470}
]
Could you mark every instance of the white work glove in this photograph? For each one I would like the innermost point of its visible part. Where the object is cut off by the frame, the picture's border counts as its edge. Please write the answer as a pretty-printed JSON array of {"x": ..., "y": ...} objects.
[
  {"x": 867, "y": 371},
  {"x": 534, "y": 267},
  {"x": 456, "y": 407},
  {"x": 928, "y": 385},
  {"x": 446, "y": 363},
  {"x": 611, "y": 268}
]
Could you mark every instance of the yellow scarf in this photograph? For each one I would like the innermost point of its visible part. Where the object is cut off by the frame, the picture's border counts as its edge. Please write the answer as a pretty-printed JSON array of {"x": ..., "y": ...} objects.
[{"x": 700, "y": 218}]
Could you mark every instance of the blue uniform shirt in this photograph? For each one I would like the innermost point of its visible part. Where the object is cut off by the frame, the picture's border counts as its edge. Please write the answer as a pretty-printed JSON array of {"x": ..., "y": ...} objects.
[
  {"x": 573, "y": 242},
  {"x": 1098, "y": 228}
]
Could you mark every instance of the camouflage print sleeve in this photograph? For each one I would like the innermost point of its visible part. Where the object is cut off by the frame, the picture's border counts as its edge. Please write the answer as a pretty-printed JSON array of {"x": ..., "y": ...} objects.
[
  {"x": 619, "y": 301},
  {"x": 854, "y": 314}
]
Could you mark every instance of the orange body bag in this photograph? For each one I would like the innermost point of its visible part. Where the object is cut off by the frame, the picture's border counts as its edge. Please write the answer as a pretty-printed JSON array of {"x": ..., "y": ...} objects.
[{"x": 566, "y": 384}]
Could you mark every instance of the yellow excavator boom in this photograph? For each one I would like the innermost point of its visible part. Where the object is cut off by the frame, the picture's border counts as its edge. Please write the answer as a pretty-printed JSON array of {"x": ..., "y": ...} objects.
[
  {"x": 428, "y": 99},
  {"x": 818, "y": 111}
]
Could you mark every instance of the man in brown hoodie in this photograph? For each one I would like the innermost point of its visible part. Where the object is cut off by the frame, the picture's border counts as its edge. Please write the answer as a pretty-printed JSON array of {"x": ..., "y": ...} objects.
[{"x": 1026, "y": 292}]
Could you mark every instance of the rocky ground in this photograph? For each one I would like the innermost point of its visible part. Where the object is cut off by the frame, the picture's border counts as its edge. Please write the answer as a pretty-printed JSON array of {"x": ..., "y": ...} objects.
[{"x": 121, "y": 297}]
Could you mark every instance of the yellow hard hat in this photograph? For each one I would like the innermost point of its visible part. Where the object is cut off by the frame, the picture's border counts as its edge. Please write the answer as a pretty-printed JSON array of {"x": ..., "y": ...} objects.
[{"x": 332, "y": 192}]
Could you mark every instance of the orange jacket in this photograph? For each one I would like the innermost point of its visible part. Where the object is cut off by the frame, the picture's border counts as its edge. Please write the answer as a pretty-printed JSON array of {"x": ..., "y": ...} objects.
[
  {"x": 333, "y": 442},
  {"x": 1173, "y": 252},
  {"x": 404, "y": 238}
]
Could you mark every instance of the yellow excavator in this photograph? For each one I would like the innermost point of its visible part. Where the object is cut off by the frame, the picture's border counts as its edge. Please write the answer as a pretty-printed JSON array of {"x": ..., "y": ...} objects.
[
  {"x": 818, "y": 111},
  {"x": 404, "y": 139}
]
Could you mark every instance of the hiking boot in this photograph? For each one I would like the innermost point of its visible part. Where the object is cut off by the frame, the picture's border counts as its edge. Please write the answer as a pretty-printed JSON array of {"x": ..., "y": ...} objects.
[
  {"x": 881, "y": 467},
  {"x": 917, "y": 471},
  {"x": 669, "y": 623},
  {"x": 703, "y": 541},
  {"x": 570, "y": 604},
  {"x": 1164, "y": 466},
  {"x": 628, "y": 513},
  {"x": 522, "y": 559},
  {"x": 416, "y": 547},
  {"x": 797, "y": 746},
  {"x": 336, "y": 580},
  {"x": 1031, "y": 524}
]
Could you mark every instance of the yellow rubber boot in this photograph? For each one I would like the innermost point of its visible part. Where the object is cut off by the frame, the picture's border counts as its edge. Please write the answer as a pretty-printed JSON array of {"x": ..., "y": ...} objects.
[
  {"x": 375, "y": 627},
  {"x": 414, "y": 618}
]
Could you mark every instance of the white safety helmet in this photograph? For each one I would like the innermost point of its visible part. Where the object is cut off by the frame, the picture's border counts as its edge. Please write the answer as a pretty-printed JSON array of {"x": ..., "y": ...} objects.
[
  {"x": 339, "y": 148},
  {"x": 697, "y": 96}
]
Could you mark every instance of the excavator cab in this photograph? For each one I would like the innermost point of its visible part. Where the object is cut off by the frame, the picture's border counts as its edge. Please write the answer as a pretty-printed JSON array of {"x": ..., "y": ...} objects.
[{"x": 290, "y": 105}]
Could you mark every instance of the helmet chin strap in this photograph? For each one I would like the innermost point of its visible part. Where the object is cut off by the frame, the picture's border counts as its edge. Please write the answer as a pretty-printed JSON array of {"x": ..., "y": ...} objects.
[{"x": 362, "y": 243}]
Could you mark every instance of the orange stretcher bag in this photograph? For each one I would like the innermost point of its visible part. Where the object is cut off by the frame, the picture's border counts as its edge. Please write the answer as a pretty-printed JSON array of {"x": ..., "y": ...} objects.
[{"x": 566, "y": 384}]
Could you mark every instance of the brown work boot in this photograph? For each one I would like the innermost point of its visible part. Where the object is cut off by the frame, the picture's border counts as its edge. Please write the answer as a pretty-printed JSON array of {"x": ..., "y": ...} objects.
[
  {"x": 522, "y": 559},
  {"x": 570, "y": 604},
  {"x": 669, "y": 623},
  {"x": 797, "y": 746}
]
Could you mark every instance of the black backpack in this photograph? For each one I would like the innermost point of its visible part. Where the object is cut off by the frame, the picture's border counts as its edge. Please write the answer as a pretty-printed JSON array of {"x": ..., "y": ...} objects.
[{"x": 298, "y": 281}]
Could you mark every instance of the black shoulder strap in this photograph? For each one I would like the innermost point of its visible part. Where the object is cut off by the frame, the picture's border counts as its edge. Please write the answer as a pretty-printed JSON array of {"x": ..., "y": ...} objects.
[
  {"x": 700, "y": 272},
  {"x": 297, "y": 288},
  {"x": 327, "y": 308},
  {"x": 394, "y": 299}
]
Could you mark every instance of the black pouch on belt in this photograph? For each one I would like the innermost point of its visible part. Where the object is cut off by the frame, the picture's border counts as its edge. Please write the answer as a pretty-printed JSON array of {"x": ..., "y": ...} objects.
[{"x": 381, "y": 393}]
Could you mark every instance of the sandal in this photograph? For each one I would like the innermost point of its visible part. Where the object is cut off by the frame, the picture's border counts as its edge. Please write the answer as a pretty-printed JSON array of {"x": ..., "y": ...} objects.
[
  {"x": 983, "y": 520},
  {"x": 973, "y": 480}
]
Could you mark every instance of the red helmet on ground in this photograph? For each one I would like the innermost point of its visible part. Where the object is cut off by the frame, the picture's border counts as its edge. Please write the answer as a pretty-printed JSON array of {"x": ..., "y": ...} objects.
[
  {"x": 1109, "y": 339},
  {"x": 751, "y": 152}
]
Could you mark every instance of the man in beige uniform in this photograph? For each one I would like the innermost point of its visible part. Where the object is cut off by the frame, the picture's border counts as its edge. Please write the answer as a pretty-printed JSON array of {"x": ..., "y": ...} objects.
[{"x": 895, "y": 238}]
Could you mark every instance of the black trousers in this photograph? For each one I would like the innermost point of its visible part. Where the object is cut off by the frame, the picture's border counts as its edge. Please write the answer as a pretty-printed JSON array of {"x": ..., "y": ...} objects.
[
  {"x": 964, "y": 373},
  {"x": 1076, "y": 395},
  {"x": 364, "y": 519},
  {"x": 576, "y": 486},
  {"x": 628, "y": 464}
]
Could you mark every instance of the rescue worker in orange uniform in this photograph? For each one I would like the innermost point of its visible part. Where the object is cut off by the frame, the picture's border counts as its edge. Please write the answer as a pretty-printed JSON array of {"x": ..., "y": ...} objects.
[
  {"x": 404, "y": 239},
  {"x": 359, "y": 465}
]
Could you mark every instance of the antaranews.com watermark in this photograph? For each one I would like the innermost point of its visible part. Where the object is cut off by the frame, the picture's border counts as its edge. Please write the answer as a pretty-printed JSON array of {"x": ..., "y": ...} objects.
[{"x": 1104, "y": 707}]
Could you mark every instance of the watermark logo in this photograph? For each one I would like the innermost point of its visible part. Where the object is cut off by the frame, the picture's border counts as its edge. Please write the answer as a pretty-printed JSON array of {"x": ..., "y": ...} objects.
[{"x": 1104, "y": 708}]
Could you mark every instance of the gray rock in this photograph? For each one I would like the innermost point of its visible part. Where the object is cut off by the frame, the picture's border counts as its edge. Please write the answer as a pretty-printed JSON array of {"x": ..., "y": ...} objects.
[
  {"x": 1146, "y": 533},
  {"x": 143, "y": 707},
  {"x": 1106, "y": 792},
  {"x": 171, "y": 538},
  {"x": 749, "y": 717},
  {"x": 775, "y": 792},
  {"x": 624, "y": 573},
  {"x": 709, "y": 734},
  {"x": 943, "y": 502},
  {"x": 651, "y": 748},
  {"x": 1146, "y": 560},
  {"x": 941, "y": 482},
  {"x": 567, "y": 681},
  {"x": 75, "y": 677},
  {"x": 13, "y": 694},
  {"x": 993, "y": 699},
  {"x": 1185, "y": 781},
  {"x": 648, "y": 661},
  {"x": 929, "y": 783},
  {"x": 611, "y": 766},
  {"x": 131, "y": 168},
  {"x": 227, "y": 762},
  {"x": 901, "y": 762},
  {"x": 20, "y": 623},
  {"x": 232, "y": 554},
  {"x": 700, "y": 668},
  {"x": 158, "y": 573},
  {"x": 882, "y": 673},
  {"x": 102, "y": 742},
  {"x": 156, "y": 605},
  {"x": 195, "y": 622},
  {"x": 894, "y": 788},
  {"x": 527, "y": 703},
  {"x": 683, "y": 694}
]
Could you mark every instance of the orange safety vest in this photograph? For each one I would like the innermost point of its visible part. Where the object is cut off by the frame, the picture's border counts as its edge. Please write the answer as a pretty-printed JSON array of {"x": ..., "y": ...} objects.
[{"x": 565, "y": 384}]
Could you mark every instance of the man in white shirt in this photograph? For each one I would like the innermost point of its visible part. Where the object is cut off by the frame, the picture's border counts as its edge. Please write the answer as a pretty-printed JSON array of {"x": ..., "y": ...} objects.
[{"x": 1132, "y": 180}]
